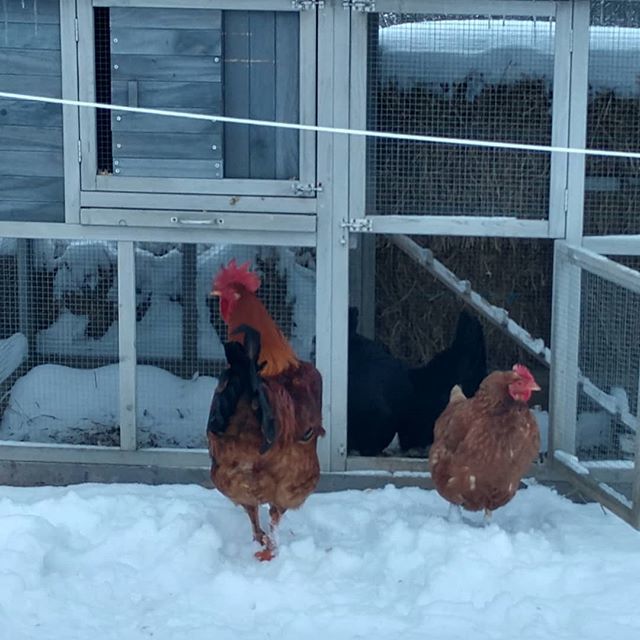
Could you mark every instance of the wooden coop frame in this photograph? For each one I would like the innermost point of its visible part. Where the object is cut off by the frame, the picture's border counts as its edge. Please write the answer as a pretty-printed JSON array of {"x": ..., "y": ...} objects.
[{"x": 325, "y": 207}]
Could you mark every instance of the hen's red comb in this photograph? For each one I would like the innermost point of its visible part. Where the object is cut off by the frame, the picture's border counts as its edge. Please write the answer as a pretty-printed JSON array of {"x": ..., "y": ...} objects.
[
  {"x": 236, "y": 275},
  {"x": 522, "y": 371}
]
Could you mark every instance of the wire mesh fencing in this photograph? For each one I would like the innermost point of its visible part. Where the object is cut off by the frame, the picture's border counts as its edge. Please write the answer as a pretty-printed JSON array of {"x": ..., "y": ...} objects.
[
  {"x": 612, "y": 197},
  {"x": 180, "y": 332},
  {"x": 59, "y": 341},
  {"x": 481, "y": 77},
  {"x": 59, "y": 347}
]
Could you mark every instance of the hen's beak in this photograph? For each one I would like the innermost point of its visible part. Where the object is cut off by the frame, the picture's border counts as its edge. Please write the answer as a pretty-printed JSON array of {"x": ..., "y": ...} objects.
[
  {"x": 534, "y": 386},
  {"x": 216, "y": 293}
]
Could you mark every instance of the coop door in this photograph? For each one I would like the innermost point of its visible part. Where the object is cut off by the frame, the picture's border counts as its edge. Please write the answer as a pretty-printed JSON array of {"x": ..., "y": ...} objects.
[
  {"x": 212, "y": 61},
  {"x": 481, "y": 71}
]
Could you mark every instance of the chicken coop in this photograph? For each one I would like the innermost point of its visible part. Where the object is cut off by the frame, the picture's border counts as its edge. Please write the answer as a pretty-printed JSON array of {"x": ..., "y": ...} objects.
[{"x": 468, "y": 200}]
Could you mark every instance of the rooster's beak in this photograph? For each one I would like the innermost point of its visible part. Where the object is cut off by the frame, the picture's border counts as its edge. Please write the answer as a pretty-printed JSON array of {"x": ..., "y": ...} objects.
[
  {"x": 216, "y": 293},
  {"x": 534, "y": 386}
]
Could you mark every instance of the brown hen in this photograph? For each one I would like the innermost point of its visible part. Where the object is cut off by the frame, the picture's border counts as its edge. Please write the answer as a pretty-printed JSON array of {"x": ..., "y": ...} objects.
[{"x": 485, "y": 444}]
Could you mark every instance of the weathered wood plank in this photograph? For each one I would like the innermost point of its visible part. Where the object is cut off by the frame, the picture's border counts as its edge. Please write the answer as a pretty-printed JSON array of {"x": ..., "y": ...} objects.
[
  {"x": 170, "y": 95},
  {"x": 30, "y": 138},
  {"x": 287, "y": 94},
  {"x": 31, "y": 163},
  {"x": 166, "y": 68},
  {"x": 33, "y": 188},
  {"x": 236, "y": 93},
  {"x": 166, "y": 18},
  {"x": 144, "y": 40},
  {"x": 144, "y": 167},
  {"x": 49, "y": 86},
  {"x": 20, "y": 112},
  {"x": 31, "y": 211},
  {"x": 21, "y": 35},
  {"x": 38, "y": 12},
  {"x": 21, "y": 62},
  {"x": 142, "y": 122},
  {"x": 167, "y": 145},
  {"x": 262, "y": 140}
]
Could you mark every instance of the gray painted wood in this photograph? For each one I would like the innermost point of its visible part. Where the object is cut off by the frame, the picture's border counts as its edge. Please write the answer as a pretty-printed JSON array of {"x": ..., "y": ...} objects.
[
  {"x": 35, "y": 84},
  {"x": 32, "y": 188},
  {"x": 166, "y": 18},
  {"x": 19, "y": 112},
  {"x": 236, "y": 92},
  {"x": 169, "y": 95},
  {"x": 144, "y": 40},
  {"x": 38, "y": 12},
  {"x": 22, "y": 62},
  {"x": 140, "y": 122},
  {"x": 145, "y": 167},
  {"x": 166, "y": 68},
  {"x": 30, "y": 138},
  {"x": 21, "y": 211},
  {"x": 22, "y": 35},
  {"x": 262, "y": 93},
  {"x": 31, "y": 163},
  {"x": 165, "y": 145},
  {"x": 166, "y": 59},
  {"x": 261, "y": 80},
  {"x": 287, "y": 94}
]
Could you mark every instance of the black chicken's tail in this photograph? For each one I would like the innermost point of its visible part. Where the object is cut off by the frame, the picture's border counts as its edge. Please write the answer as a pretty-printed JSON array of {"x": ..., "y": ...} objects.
[
  {"x": 469, "y": 345},
  {"x": 242, "y": 377}
]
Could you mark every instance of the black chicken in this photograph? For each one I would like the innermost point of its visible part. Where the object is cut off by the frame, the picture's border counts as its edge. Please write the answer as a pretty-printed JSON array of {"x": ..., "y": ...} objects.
[
  {"x": 463, "y": 363},
  {"x": 380, "y": 393}
]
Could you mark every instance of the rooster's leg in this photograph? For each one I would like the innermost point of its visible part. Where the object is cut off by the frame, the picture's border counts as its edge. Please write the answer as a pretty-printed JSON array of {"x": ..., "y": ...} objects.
[{"x": 260, "y": 536}]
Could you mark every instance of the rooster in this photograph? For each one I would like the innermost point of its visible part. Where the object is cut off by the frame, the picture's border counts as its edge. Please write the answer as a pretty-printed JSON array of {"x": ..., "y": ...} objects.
[
  {"x": 266, "y": 413},
  {"x": 485, "y": 444}
]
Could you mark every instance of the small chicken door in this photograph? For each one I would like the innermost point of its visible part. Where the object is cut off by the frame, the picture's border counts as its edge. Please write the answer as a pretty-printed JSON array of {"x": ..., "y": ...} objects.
[{"x": 213, "y": 61}]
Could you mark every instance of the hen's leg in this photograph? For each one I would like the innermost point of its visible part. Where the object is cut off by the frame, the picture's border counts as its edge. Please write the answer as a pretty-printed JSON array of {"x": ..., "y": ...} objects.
[
  {"x": 455, "y": 513},
  {"x": 487, "y": 517}
]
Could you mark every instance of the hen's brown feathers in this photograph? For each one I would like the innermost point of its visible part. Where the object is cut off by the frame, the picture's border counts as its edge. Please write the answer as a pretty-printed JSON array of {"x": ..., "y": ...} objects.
[{"x": 483, "y": 446}]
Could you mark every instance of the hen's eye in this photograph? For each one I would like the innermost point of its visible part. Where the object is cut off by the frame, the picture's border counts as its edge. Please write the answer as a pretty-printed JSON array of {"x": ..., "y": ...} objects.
[{"x": 308, "y": 434}]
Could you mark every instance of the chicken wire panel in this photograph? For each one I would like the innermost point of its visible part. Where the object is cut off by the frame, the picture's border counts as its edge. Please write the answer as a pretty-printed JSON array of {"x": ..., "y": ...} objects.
[
  {"x": 612, "y": 198},
  {"x": 204, "y": 61},
  {"x": 481, "y": 77},
  {"x": 59, "y": 341},
  {"x": 416, "y": 316},
  {"x": 609, "y": 358},
  {"x": 180, "y": 332}
]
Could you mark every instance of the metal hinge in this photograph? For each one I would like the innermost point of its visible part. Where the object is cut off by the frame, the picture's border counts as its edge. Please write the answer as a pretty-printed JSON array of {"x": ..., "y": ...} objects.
[
  {"x": 305, "y": 5},
  {"x": 308, "y": 189},
  {"x": 566, "y": 199},
  {"x": 79, "y": 151},
  {"x": 358, "y": 225},
  {"x": 76, "y": 29},
  {"x": 359, "y": 5}
]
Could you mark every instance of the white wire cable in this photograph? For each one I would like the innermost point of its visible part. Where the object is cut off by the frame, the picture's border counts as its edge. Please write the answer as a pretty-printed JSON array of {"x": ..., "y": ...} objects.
[{"x": 323, "y": 129}]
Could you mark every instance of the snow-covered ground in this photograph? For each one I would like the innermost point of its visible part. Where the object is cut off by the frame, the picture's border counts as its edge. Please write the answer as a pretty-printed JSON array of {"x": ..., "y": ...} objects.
[{"x": 129, "y": 562}]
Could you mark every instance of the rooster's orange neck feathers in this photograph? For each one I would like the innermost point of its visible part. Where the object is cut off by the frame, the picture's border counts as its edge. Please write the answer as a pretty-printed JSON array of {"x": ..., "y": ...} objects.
[{"x": 274, "y": 350}]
